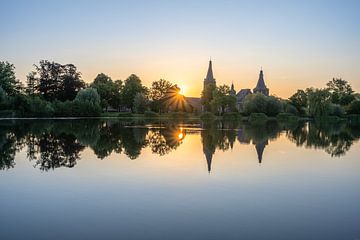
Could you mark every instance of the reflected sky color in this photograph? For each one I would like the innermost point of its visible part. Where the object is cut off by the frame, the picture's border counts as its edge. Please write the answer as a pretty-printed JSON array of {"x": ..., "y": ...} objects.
[
  {"x": 295, "y": 193},
  {"x": 298, "y": 43}
]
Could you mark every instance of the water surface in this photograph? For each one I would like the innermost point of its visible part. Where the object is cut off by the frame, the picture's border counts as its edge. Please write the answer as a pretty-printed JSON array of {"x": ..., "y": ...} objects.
[{"x": 98, "y": 179}]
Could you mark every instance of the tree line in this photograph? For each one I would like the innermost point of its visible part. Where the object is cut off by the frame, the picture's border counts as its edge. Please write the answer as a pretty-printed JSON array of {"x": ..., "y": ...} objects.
[
  {"x": 54, "y": 89},
  {"x": 336, "y": 99}
]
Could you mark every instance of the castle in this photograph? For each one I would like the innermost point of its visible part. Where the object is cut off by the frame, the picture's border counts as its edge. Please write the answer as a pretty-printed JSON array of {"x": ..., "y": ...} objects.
[{"x": 240, "y": 96}]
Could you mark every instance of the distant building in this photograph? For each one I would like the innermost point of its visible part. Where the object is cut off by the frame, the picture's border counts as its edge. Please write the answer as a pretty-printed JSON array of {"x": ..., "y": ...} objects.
[
  {"x": 260, "y": 88},
  {"x": 240, "y": 96},
  {"x": 209, "y": 76}
]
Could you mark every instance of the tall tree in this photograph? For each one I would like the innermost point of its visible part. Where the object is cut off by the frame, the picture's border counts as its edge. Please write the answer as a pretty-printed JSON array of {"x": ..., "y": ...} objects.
[
  {"x": 108, "y": 90},
  {"x": 55, "y": 81},
  {"x": 132, "y": 86},
  {"x": 8, "y": 81},
  {"x": 157, "y": 93},
  {"x": 299, "y": 100},
  {"x": 341, "y": 91},
  {"x": 207, "y": 96},
  {"x": 319, "y": 101}
]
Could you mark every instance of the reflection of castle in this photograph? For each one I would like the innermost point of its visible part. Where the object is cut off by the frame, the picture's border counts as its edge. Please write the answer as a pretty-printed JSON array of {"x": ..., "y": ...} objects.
[{"x": 209, "y": 147}]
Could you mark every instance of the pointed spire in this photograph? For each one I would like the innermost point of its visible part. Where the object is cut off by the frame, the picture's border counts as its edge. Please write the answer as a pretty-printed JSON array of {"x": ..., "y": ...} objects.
[
  {"x": 260, "y": 86},
  {"x": 208, "y": 155},
  {"x": 260, "y": 149},
  {"x": 232, "y": 89},
  {"x": 209, "y": 76}
]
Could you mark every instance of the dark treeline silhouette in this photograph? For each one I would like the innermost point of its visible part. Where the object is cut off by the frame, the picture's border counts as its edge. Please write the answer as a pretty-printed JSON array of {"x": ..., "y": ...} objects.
[{"x": 50, "y": 144}]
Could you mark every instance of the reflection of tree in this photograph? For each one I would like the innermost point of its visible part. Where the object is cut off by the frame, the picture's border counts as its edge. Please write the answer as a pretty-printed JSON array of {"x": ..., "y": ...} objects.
[
  {"x": 55, "y": 151},
  {"x": 7, "y": 151},
  {"x": 336, "y": 139},
  {"x": 163, "y": 141}
]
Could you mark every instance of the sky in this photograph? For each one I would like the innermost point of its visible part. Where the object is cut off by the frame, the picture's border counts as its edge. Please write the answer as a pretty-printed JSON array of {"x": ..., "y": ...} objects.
[{"x": 298, "y": 44}]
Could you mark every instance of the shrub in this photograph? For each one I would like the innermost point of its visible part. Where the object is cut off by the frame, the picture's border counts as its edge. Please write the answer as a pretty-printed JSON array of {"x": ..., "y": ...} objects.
[
  {"x": 39, "y": 108},
  {"x": 151, "y": 114},
  {"x": 259, "y": 103},
  {"x": 257, "y": 118},
  {"x": 140, "y": 103},
  {"x": 290, "y": 109},
  {"x": 354, "y": 107}
]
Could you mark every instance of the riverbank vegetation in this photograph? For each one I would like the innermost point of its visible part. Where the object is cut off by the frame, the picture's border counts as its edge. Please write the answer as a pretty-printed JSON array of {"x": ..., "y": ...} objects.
[{"x": 58, "y": 90}]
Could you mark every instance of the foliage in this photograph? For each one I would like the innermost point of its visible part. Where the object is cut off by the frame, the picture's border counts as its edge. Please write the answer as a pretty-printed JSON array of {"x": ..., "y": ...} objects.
[
  {"x": 54, "y": 81},
  {"x": 257, "y": 118},
  {"x": 318, "y": 102},
  {"x": 207, "y": 96},
  {"x": 299, "y": 100},
  {"x": 341, "y": 91},
  {"x": 87, "y": 103},
  {"x": 354, "y": 107},
  {"x": 291, "y": 109},
  {"x": 8, "y": 81},
  {"x": 140, "y": 103},
  {"x": 108, "y": 90},
  {"x": 259, "y": 103},
  {"x": 132, "y": 86},
  {"x": 222, "y": 100},
  {"x": 336, "y": 110},
  {"x": 158, "y": 92}
]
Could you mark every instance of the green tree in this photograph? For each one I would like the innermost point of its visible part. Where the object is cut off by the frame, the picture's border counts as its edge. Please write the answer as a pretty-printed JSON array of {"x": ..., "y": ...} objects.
[
  {"x": 318, "y": 101},
  {"x": 87, "y": 103},
  {"x": 132, "y": 86},
  {"x": 341, "y": 91},
  {"x": 108, "y": 90},
  {"x": 55, "y": 81},
  {"x": 140, "y": 103},
  {"x": 299, "y": 100},
  {"x": 259, "y": 103},
  {"x": 222, "y": 100},
  {"x": 354, "y": 107},
  {"x": 157, "y": 93},
  {"x": 207, "y": 96},
  {"x": 8, "y": 81},
  {"x": 31, "y": 83}
]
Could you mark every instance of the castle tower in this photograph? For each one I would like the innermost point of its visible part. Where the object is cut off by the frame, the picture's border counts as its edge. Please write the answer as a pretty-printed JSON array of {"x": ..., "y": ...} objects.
[
  {"x": 260, "y": 86},
  {"x": 209, "y": 76},
  {"x": 232, "y": 90}
]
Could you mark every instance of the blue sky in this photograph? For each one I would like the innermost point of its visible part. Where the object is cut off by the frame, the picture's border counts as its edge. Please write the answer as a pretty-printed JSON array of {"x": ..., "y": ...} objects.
[{"x": 298, "y": 43}]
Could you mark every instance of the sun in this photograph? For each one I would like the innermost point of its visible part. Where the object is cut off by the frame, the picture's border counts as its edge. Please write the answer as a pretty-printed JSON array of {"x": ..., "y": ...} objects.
[{"x": 182, "y": 90}]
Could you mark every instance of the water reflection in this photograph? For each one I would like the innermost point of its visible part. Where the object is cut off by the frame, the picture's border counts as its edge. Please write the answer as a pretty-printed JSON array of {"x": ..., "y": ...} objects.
[{"x": 54, "y": 144}]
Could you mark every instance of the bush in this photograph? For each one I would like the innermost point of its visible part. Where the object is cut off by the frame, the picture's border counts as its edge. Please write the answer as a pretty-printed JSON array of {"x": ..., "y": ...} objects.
[
  {"x": 63, "y": 109},
  {"x": 207, "y": 115},
  {"x": 39, "y": 108},
  {"x": 290, "y": 109},
  {"x": 257, "y": 118},
  {"x": 259, "y": 103},
  {"x": 151, "y": 114},
  {"x": 7, "y": 114},
  {"x": 354, "y": 107}
]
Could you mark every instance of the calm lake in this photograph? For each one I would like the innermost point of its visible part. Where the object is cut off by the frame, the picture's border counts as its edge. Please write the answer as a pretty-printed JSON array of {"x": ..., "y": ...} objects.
[{"x": 116, "y": 179}]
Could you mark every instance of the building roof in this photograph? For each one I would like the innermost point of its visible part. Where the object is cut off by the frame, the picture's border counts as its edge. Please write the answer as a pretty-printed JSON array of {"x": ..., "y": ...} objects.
[
  {"x": 240, "y": 96},
  {"x": 210, "y": 76}
]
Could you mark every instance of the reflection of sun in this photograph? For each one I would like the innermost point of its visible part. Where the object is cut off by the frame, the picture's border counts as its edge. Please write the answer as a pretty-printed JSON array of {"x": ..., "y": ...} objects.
[{"x": 180, "y": 136}]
